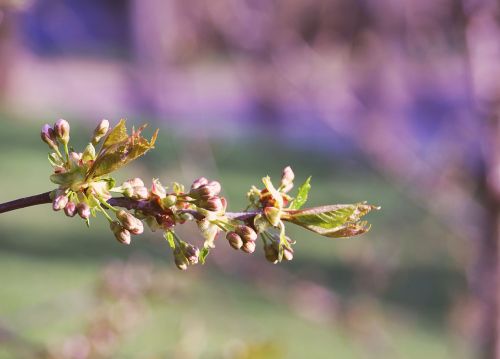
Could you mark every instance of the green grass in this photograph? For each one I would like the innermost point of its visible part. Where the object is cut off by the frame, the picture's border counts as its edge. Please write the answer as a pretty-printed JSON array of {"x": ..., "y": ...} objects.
[{"x": 49, "y": 263}]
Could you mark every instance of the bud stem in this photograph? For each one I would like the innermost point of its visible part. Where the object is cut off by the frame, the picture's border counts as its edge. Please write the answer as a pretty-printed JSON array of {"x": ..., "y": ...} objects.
[
  {"x": 66, "y": 152},
  {"x": 105, "y": 214}
]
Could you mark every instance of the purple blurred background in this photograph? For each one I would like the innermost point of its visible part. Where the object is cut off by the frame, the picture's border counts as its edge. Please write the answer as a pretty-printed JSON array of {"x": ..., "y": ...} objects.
[{"x": 411, "y": 86}]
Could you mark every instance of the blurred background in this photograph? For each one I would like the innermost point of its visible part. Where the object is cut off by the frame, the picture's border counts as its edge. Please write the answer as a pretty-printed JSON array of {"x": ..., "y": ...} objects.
[{"x": 392, "y": 102}]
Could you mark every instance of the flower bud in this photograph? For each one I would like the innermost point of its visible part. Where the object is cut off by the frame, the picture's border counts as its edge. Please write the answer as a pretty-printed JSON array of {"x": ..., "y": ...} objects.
[
  {"x": 157, "y": 189},
  {"x": 130, "y": 223},
  {"x": 134, "y": 182},
  {"x": 70, "y": 209},
  {"x": 199, "y": 182},
  {"x": 121, "y": 234},
  {"x": 101, "y": 130},
  {"x": 191, "y": 253},
  {"x": 210, "y": 189},
  {"x": 83, "y": 210},
  {"x": 248, "y": 247},
  {"x": 213, "y": 204},
  {"x": 202, "y": 191},
  {"x": 224, "y": 203},
  {"x": 75, "y": 157},
  {"x": 180, "y": 260},
  {"x": 287, "y": 177},
  {"x": 288, "y": 253},
  {"x": 169, "y": 201},
  {"x": 48, "y": 136},
  {"x": 89, "y": 153},
  {"x": 140, "y": 192},
  {"x": 61, "y": 129},
  {"x": 215, "y": 187},
  {"x": 128, "y": 190},
  {"x": 234, "y": 240},
  {"x": 271, "y": 253},
  {"x": 59, "y": 202},
  {"x": 246, "y": 233}
]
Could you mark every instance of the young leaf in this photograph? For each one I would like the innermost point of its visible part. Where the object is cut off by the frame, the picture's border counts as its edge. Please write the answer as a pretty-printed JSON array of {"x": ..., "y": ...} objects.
[
  {"x": 116, "y": 135},
  {"x": 169, "y": 236},
  {"x": 73, "y": 177},
  {"x": 334, "y": 221},
  {"x": 120, "y": 149},
  {"x": 203, "y": 254},
  {"x": 302, "y": 194}
]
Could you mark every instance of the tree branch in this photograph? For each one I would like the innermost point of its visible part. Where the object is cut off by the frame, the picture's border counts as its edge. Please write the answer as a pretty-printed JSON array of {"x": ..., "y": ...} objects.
[
  {"x": 124, "y": 202},
  {"x": 19, "y": 203}
]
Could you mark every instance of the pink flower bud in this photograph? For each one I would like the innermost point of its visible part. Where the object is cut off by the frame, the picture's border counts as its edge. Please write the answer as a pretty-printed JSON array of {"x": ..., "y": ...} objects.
[
  {"x": 140, "y": 192},
  {"x": 47, "y": 135},
  {"x": 287, "y": 177},
  {"x": 215, "y": 188},
  {"x": 130, "y": 222},
  {"x": 234, "y": 240},
  {"x": 210, "y": 189},
  {"x": 75, "y": 157},
  {"x": 70, "y": 209},
  {"x": 191, "y": 253},
  {"x": 248, "y": 247},
  {"x": 199, "y": 182},
  {"x": 213, "y": 204},
  {"x": 134, "y": 182},
  {"x": 101, "y": 130},
  {"x": 158, "y": 190},
  {"x": 246, "y": 233},
  {"x": 287, "y": 254},
  {"x": 59, "y": 202},
  {"x": 121, "y": 234},
  {"x": 61, "y": 129},
  {"x": 224, "y": 203},
  {"x": 83, "y": 210}
]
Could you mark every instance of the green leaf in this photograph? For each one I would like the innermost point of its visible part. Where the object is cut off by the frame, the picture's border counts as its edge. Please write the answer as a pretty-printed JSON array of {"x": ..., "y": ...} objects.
[
  {"x": 203, "y": 254},
  {"x": 116, "y": 135},
  {"x": 169, "y": 236},
  {"x": 334, "y": 221},
  {"x": 119, "y": 149},
  {"x": 73, "y": 177},
  {"x": 302, "y": 194}
]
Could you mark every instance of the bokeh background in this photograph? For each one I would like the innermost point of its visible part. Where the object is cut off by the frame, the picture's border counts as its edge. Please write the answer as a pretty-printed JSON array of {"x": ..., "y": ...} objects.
[{"x": 392, "y": 102}]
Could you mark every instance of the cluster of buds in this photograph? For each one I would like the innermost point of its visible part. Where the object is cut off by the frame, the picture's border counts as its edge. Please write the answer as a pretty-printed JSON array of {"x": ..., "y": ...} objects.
[
  {"x": 126, "y": 225},
  {"x": 61, "y": 201},
  {"x": 74, "y": 194},
  {"x": 57, "y": 134},
  {"x": 243, "y": 237},
  {"x": 206, "y": 195}
]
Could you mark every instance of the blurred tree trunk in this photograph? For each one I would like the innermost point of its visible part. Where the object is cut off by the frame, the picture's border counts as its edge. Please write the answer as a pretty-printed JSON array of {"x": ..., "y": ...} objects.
[{"x": 482, "y": 35}]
